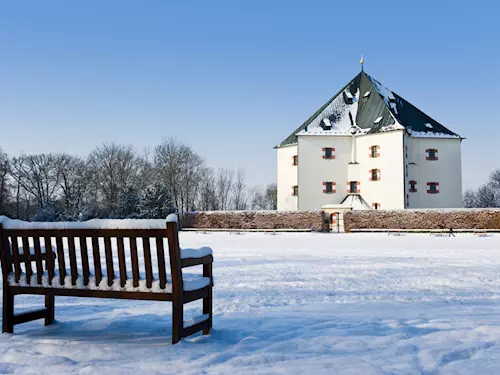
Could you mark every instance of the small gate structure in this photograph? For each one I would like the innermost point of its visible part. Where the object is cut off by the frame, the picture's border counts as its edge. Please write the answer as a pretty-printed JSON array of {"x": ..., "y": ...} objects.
[{"x": 335, "y": 221}]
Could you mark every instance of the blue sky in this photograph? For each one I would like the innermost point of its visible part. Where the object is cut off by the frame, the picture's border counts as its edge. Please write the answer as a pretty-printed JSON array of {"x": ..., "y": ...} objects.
[{"x": 234, "y": 78}]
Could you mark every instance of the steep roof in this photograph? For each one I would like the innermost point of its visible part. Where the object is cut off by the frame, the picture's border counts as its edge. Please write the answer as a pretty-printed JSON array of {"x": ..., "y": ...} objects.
[{"x": 368, "y": 106}]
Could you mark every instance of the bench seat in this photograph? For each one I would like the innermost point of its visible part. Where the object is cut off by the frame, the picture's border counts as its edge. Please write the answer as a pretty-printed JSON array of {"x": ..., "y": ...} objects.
[{"x": 191, "y": 282}]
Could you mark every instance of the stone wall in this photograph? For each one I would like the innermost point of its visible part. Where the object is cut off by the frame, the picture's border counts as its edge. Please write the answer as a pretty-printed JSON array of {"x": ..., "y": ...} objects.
[
  {"x": 314, "y": 220},
  {"x": 487, "y": 218}
]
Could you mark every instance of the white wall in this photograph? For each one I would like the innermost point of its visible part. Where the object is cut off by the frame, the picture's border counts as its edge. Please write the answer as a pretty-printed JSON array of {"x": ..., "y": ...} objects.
[
  {"x": 447, "y": 170},
  {"x": 314, "y": 170},
  {"x": 287, "y": 178},
  {"x": 389, "y": 191}
]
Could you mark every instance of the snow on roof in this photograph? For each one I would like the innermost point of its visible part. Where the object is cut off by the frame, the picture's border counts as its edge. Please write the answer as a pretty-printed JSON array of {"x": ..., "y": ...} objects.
[
  {"x": 340, "y": 111},
  {"x": 431, "y": 134},
  {"x": 396, "y": 126},
  {"x": 427, "y": 125},
  {"x": 354, "y": 201},
  {"x": 378, "y": 120}
]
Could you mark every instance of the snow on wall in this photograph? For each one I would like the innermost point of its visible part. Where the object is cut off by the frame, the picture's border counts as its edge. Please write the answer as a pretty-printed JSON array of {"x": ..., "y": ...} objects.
[
  {"x": 423, "y": 219},
  {"x": 313, "y": 220}
]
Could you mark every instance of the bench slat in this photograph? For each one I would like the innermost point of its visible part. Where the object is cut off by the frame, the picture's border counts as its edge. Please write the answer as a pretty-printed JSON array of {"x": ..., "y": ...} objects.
[
  {"x": 97, "y": 260},
  {"x": 147, "y": 261},
  {"x": 38, "y": 259},
  {"x": 60, "y": 260},
  {"x": 27, "y": 261},
  {"x": 72, "y": 260},
  {"x": 161, "y": 262},
  {"x": 121, "y": 261},
  {"x": 135, "y": 261},
  {"x": 109, "y": 260},
  {"x": 85, "y": 260},
  {"x": 49, "y": 260},
  {"x": 15, "y": 258}
]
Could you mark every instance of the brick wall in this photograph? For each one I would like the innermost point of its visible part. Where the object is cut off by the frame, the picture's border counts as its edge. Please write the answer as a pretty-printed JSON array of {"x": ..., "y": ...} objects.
[
  {"x": 487, "y": 218},
  {"x": 255, "y": 220}
]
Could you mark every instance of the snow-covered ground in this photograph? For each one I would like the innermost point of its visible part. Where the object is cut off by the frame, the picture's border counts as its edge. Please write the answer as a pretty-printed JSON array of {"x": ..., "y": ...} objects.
[{"x": 290, "y": 304}]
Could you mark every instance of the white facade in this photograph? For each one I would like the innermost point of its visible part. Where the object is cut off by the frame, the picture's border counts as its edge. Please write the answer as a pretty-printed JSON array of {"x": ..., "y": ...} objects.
[
  {"x": 372, "y": 146},
  {"x": 401, "y": 159}
]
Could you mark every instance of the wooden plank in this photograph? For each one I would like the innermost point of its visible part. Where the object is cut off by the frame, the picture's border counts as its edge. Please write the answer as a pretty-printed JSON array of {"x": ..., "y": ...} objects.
[
  {"x": 177, "y": 283},
  {"x": 160, "y": 252},
  {"x": 38, "y": 259},
  {"x": 85, "y": 260},
  {"x": 109, "y": 260},
  {"x": 195, "y": 295},
  {"x": 7, "y": 309},
  {"x": 189, "y": 262},
  {"x": 97, "y": 260},
  {"x": 27, "y": 262},
  {"x": 29, "y": 316},
  {"x": 65, "y": 292},
  {"x": 200, "y": 326},
  {"x": 50, "y": 306},
  {"x": 121, "y": 261},
  {"x": 49, "y": 260},
  {"x": 147, "y": 261},
  {"x": 207, "y": 301},
  {"x": 60, "y": 260},
  {"x": 134, "y": 260},
  {"x": 72, "y": 260},
  {"x": 86, "y": 232},
  {"x": 15, "y": 258}
]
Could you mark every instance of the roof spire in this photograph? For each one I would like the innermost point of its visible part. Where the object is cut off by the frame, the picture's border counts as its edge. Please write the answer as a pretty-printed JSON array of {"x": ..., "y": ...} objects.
[{"x": 362, "y": 62}]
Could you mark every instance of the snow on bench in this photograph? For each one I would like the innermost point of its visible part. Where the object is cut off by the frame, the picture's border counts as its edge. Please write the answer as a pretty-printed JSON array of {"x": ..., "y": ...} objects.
[{"x": 91, "y": 250}]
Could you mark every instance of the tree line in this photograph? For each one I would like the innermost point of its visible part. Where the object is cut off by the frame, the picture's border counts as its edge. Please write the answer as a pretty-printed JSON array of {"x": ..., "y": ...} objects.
[
  {"x": 115, "y": 181},
  {"x": 487, "y": 195}
]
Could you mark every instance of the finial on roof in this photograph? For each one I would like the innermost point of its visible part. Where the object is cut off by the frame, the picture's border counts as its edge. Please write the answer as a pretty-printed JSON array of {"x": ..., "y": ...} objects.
[{"x": 362, "y": 61}]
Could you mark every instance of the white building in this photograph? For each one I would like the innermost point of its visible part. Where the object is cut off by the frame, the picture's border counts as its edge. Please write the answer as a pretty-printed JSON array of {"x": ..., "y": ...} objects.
[{"x": 368, "y": 148}]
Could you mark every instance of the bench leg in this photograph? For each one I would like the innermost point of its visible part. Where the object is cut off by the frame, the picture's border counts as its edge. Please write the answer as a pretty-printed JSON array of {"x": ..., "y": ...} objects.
[
  {"x": 50, "y": 306},
  {"x": 177, "y": 321},
  {"x": 207, "y": 301},
  {"x": 207, "y": 309},
  {"x": 8, "y": 311}
]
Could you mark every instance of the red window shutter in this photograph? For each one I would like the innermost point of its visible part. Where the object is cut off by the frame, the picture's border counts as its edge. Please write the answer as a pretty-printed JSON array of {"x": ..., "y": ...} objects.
[
  {"x": 437, "y": 187},
  {"x": 370, "y": 175},
  {"x": 428, "y": 188},
  {"x": 334, "y": 187},
  {"x": 378, "y": 174},
  {"x": 324, "y": 184},
  {"x": 436, "y": 154},
  {"x": 359, "y": 189},
  {"x": 348, "y": 187},
  {"x": 333, "y": 153}
]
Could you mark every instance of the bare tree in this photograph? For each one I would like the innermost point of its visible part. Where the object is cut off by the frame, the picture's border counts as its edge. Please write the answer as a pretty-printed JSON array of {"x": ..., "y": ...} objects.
[
  {"x": 207, "y": 200},
  {"x": 180, "y": 169},
  {"x": 38, "y": 175},
  {"x": 486, "y": 197},
  {"x": 223, "y": 181},
  {"x": 239, "y": 198},
  {"x": 470, "y": 199},
  {"x": 271, "y": 196},
  {"x": 112, "y": 169},
  {"x": 4, "y": 181},
  {"x": 73, "y": 185}
]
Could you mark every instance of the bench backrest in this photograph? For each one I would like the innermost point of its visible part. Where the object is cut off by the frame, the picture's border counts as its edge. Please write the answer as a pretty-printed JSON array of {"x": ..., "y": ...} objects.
[{"x": 33, "y": 251}]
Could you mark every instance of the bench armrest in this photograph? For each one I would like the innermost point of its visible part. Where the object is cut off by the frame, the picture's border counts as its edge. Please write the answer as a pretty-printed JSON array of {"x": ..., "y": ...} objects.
[{"x": 189, "y": 262}]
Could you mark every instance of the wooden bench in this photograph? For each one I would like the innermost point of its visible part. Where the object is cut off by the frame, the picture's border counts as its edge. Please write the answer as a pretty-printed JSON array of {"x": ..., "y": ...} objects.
[{"x": 35, "y": 256}]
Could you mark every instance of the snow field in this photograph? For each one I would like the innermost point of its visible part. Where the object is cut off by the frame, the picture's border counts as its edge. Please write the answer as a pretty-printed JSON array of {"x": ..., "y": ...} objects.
[{"x": 293, "y": 303}]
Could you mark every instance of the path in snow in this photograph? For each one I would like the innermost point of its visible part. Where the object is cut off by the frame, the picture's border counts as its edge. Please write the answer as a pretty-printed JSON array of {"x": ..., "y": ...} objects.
[{"x": 290, "y": 304}]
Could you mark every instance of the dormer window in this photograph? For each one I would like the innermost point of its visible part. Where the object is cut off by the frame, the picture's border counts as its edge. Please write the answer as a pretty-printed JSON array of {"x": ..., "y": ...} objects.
[
  {"x": 367, "y": 94},
  {"x": 327, "y": 125},
  {"x": 348, "y": 97},
  {"x": 378, "y": 119}
]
